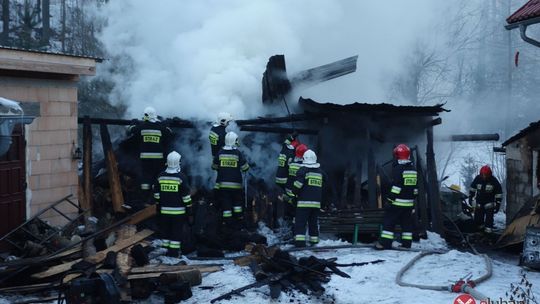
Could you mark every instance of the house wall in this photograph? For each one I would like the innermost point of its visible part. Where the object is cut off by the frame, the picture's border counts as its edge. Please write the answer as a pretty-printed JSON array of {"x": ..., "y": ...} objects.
[
  {"x": 521, "y": 180},
  {"x": 51, "y": 171}
]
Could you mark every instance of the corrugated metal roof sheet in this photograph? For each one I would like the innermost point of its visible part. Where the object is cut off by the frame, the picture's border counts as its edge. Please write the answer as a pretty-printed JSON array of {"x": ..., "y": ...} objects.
[
  {"x": 311, "y": 105},
  {"x": 530, "y": 10}
]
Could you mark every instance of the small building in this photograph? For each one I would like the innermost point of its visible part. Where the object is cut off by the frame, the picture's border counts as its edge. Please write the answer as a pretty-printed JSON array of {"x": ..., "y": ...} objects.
[
  {"x": 39, "y": 167},
  {"x": 522, "y": 169}
]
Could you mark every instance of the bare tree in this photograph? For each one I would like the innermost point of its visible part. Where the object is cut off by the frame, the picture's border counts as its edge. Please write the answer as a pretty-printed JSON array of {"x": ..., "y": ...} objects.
[
  {"x": 5, "y": 22},
  {"x": 45, "y": 20}
]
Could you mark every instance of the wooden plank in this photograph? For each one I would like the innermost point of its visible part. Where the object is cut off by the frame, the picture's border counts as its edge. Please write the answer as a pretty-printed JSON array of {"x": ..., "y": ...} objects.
[
  {"x": 100, "y": 256},
  {"x": 143, "y": 214},
  {"x": 157, "y": 274},
  {"x": 115, "y": 186},
  {"x": 169, "y": 268},
  {"x": 54, "y": 270}
]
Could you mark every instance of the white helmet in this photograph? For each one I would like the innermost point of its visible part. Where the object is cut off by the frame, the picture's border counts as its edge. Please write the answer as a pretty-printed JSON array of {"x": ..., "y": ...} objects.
[
  {"x": 173, "y": 162},
  {"x": 231, "y": 139},
  {"x": 310, "y": 158},
  {"x": 224, "y": 118},
  {"x": 150, "y": 114}
]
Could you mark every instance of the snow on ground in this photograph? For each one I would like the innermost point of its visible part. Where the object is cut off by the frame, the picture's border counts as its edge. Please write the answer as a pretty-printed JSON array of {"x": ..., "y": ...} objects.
[
  {"x": 370, "y": 283},
  {"x": 373, "y": 283}
]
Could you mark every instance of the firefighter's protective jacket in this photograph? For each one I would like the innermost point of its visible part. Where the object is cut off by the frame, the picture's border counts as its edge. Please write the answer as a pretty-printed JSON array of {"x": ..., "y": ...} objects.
[
  {"x": 286, "y": 156},
  {"x": 153, "y": 139},
  {"x": 404, "y": 184},
  {"x": 486, "y": 191},
  {"x": 217, "y": 138},
  {"x": 171, "y": 192},
  {"x": 291, "y": 176},
  {"x": 229, "y": 163},
  {"x": 309, "y": 185}
]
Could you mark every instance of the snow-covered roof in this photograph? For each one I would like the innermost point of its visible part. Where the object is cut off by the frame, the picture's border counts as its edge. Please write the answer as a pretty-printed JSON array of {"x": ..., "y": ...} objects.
[{"x": 9, "y": 107}]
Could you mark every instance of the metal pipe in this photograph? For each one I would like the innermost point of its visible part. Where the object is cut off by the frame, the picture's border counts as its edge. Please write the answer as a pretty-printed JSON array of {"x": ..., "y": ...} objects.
[{"x": 470, "y": 137}]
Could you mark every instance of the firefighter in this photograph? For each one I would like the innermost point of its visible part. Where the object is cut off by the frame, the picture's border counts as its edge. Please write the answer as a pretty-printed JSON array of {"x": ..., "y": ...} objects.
[
  {"x": 400, "y": 200},
  {"x": 294, "y": 166},
  {"x": 286, "y": 156},
  {"x": 153, "y": 139},
  {"x": 229, "y": 163},
  {"x": 487, "y": 194},
  {"x": 172, "y": 195},
  {"x": 308, "y": 186},
  {"x": 218, "y": 132}
]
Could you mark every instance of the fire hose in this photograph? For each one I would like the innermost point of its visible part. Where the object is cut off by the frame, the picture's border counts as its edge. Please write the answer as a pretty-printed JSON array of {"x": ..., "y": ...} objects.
[{"x": 463, "y": 285}]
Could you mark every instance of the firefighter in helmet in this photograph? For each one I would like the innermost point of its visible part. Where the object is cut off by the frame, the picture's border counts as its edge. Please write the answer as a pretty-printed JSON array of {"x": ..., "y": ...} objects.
[
  {"x": 400, "y": 200},
  {"x": 172, "y": 195},
  {"x": 229, "y": 163},
  {"x": 294, "y": 166},
  {"x": 218, "y": 132},
  {"x": 153, "y": 139},
  {"x": 485, "y": 195},
  {"x": 309, "y": 184},
  {"x": 286, "y": 156}
]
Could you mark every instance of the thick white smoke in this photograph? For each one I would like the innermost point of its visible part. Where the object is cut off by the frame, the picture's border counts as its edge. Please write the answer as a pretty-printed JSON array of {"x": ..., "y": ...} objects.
[{"x": 195, "y": 58}]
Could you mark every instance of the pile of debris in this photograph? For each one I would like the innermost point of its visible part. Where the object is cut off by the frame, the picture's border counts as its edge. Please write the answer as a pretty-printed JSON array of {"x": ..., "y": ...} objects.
[
  {"x": 108, "y": 265},
  {"x": 283, "y": 272}
]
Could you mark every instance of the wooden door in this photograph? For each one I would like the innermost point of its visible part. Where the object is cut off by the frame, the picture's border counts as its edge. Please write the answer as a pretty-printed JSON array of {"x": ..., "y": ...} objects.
[{"x": 13, "y": 183}]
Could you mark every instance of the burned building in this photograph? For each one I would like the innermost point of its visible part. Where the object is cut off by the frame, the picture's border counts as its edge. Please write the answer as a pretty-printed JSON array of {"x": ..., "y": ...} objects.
[{"x": 354, "y": 144}]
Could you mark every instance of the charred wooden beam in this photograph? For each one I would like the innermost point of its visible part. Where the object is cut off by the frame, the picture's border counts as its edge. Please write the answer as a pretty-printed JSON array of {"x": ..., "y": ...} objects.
[
  {"x": 171, "y": 122},
  {"x": 499, "y": 149},
  {"x": 281, "y": 130},
  {"x": 422, "y": 198},
  {"x": 372, "y": 174},
  {"x": 433, "y": 185},
  {"x": 276, "y": 85},
  {"x": 285, "y": 119},
  {"x": 86, "y": 202},
  {"x": 472, "y": 137},
  {"x": 117, "y": 196}
]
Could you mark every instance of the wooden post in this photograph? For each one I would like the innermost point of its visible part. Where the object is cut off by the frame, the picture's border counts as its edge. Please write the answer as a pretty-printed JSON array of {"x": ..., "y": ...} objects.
[
  {"x": 421, "y": 206},
  {"x": 379, "y": 192},
  {"x": 358, "y": 184},
  {"x": 433, "y": 184},
  {"x": 86, "y": 200},
  {"x": 344, "y": 188},
  {"x": 372, "y": 174},
  {"x": 112, "y": 170}
]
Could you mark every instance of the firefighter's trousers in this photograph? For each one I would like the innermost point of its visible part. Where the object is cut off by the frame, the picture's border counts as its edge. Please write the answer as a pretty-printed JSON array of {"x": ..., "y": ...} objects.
[
  {"x": 171, "y": 228},
  {"x": 150, "y": 168},
  {"x": 306, "y": 217},
  {"x": 396, "y": 215},
  {"x": 483, "y": 217},
  {"x": 231, "y": 205}
]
